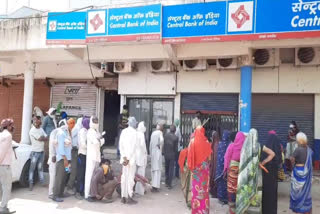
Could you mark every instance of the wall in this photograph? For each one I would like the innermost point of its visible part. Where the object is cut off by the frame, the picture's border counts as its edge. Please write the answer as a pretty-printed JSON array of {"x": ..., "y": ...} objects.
[{"x": 144, "y": 82}]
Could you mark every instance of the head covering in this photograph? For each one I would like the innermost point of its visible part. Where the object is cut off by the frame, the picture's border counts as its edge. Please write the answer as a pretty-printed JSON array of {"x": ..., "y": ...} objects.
[
  {"x": 63, "y": 124},
  {"x": 141, "y": 127},
  {"x": 132, "y": 122},
  {"x": 63, "y": 115},
  {"x": 50, "y": 111},
  {"x": 93, "y": 125},
  {"x": 234, "y": 150},
  {"x": 199, "y": 149},
  {"x": 5, "y": 123},
  {"x": 37, "y": 111},
  {"x": 177, "y": 122},
  {"x": 86, "y": 122},
  {"x": 71, "y": 123},
  {"x": 214, "y": 136}
]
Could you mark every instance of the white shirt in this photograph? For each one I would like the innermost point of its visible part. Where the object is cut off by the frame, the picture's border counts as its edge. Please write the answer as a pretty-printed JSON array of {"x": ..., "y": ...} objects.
[
  {"x": 6, "y": 151},
  {"x": 141, "y": 151},
  {"x": 53, "y": 142},
  {"x": 93, "y": 145},
  {"x": 156, "y": 145},
  {"x": 35, "y": 134},
  {"x": 128, "y": 145},
  {"x": 82, "y": 141}
]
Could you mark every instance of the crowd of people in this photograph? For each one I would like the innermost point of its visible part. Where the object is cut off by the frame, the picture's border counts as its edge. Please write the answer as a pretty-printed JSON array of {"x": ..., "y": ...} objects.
[
  {"x": 234, "y": 168},
  {"x": 243, "y": 173}
]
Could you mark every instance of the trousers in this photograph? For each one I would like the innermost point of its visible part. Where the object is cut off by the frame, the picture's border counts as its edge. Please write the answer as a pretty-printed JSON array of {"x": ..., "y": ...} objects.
[
  {"x": 81, "y": 173},
  {"x": 60, "y": 180},
  {"x": 169, "y": 165},
  {"x": 37, "y": 159},
  {"x": 52, "y": 177},
  {"x": 73, "y": 174},
  {"x": 6, "y": 184}
]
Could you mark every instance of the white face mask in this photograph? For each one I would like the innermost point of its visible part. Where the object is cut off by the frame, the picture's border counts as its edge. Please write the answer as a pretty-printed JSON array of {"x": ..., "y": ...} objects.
[
  {"x": 95, "y": 126},
  {"x": 52, "y": 116},
  {"x": 291, "y": 126}
]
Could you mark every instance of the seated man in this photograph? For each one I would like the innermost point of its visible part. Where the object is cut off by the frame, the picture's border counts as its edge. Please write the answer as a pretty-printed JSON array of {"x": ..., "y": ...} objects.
[{"x": 103, "y": 183}]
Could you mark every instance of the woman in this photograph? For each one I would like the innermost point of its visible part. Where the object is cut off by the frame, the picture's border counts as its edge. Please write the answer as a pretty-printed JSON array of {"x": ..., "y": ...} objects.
[
  {"x": 249, "y": 180},
  {"x": 270, "y": 159},
  {"x": 213, "y": 163},
  {"x": 199, "y": 152},
  {"x": 300, "y": 196},
  {"x": 231, "y": 165},
  {"x": 220, "y": 180}
]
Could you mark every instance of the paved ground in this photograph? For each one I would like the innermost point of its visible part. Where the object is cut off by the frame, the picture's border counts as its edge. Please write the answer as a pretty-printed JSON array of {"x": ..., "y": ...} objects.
[{"x": 167, "y": 201}]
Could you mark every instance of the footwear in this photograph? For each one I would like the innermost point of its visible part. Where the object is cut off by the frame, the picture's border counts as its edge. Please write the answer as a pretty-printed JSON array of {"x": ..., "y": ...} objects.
[
  {"x": 6, "y": 211},
  {"x": 131, "y": 201},
  {"x": 79, "y": 196},
  {"x": 90, "y": 199},
  {"x": 50, "y": 196},
  {"x": 70, "y": 191},
  {"x": 107, "y": 201},
  {"x": 57, "y": 199},
  {"x": 30, "y": 187},
  {"x": 66, "y": 195},
  {"x": 169, "y": 187},
  {"x": 154, "y": 190},
  {"x": 124, "y": 200}
]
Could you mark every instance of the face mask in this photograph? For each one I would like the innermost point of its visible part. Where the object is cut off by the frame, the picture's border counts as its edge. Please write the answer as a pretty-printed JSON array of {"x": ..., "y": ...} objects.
[
  {"x": 95, "y": 126},
  {"x": 52, "y": 116},
  {"x": 291, "y": 126}
]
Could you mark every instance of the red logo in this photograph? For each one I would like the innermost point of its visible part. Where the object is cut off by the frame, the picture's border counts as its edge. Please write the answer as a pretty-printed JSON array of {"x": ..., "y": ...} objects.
[
  {"x": 96, "y": 22},
  {"x": 52, "y": 26},
  {"x": 240, "y": 16}
]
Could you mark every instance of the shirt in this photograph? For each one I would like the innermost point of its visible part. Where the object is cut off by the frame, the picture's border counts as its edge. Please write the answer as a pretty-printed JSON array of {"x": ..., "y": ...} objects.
[
  {"x": 300, "y": 154},
  {"x": 48, "y": 125},
  {"x": 196, "y": 122},
  {"x": 62, "y": 149},
  {"x": 178, "y": 134},
  {"x": 170, "y": 147},
  {"x": 82, "y": 141},
  {"x": 6, "y": 151},
  {"x": 35, "y": 134},
  {"x": 52, "y": 145}
]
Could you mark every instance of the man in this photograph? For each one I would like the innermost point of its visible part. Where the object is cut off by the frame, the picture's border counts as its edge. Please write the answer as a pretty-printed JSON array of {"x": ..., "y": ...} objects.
[
  {"x": 52, "y": 160},
  {"x": 196, "y": 121},
  {"x": 122, "y": 124},
  {"x": 74, "y": 156},
  {"x": 37, "y": 137},
  {"x": 6, "y": 156},
  {"x": 170, "y": 150},
  {"x": 103, "y": 183},
  {"x": 291, "y": 145},
  {"x": 63, "y": 159},
  {"x": 94, "y": 141},
  {"x": 128, "y": 145},
  {"x": 82, "y": 157},
  {"x": 141, "y": 156},
  {"x": 180, "y": 147},
  {"x": 49, "y": 122},
  {"x": 156, "y": 144}
]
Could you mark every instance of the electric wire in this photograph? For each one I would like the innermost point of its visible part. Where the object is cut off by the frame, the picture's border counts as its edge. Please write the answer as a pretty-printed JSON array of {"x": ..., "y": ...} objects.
[{"x": 88, "y": 55}]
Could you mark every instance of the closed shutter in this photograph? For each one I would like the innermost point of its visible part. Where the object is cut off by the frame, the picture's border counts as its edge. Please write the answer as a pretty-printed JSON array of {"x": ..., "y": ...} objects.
[
  {"x": 76, "y": 98},
  {"x": 276, "y": 111},
  {"x": 210, "y": 102}
]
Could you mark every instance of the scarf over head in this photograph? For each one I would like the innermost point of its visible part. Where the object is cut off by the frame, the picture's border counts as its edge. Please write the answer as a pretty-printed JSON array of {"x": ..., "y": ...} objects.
[
  {"x": 132, "y": 122},
  {"x": 141, "y": 128},
  {"x": 234, "y": 150},
  {"x": 199, "y": 150},
  {"x": 5, "y": 123},
  {"x": 50, "y": 111},
  {"x": 86, "y": 122}
]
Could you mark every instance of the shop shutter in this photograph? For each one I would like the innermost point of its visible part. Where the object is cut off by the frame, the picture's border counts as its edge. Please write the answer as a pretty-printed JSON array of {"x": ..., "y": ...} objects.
[
  {"x": 210, "y": 102},
  {"x": 77, "y": 98},
  {"x": 276, "y": 111}
]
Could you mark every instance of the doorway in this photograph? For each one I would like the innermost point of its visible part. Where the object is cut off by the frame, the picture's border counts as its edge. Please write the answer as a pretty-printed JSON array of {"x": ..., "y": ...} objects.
[
  {"x": 152, "y": 111},
  {"x": 111, "y": 114}
]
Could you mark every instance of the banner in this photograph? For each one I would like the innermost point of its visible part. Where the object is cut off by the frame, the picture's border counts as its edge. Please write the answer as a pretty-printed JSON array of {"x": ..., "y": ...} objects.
[
  {"x": 124, "y": 24},
  {"x": 66, "y": 28}
]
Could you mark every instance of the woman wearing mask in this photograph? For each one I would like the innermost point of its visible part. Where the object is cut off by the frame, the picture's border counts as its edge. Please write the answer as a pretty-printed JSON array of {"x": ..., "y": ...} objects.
[
  {"x": 301, "y": 179},
  {"x": 231, "y": 165},
  {"x": 141, "y": 156}
]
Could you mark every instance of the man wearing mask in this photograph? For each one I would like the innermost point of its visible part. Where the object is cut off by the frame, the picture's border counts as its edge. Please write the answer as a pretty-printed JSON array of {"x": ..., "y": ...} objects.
[
  {"x": 94, "y": 142},
  {"x": 49, "y": 122},
  {"x": 122, "y": 124},
  {"x": 156, "y": 145},
  {"x": 6, "y": 156},
  {"x": 170, "y": 150},
  {"x": 74, "y": 156},
  {"x": 63, "y": 159},
  {"x": 128, "y": 146},
  {"x": 141, "y": 156},
  {"x": 82, "y": 157},
  {"x": 37, "y": 137}
]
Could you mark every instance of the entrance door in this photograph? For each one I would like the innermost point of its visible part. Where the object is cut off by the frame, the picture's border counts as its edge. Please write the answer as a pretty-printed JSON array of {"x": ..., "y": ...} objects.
[
  {"x": 111, "y": 115},
  {"x": 151, "y": 111}
]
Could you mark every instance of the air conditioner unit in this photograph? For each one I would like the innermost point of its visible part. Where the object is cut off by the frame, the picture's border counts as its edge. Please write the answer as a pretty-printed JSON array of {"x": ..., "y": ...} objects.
[
  {"x": 307, "y": 56},
  {"x": 160, "y": 66},
  {"x": 264, "y": 58},
  {"x": 195, "y": 65},
  {"x": 124, "y": 67},
  {"x": 227, "y": 63}
]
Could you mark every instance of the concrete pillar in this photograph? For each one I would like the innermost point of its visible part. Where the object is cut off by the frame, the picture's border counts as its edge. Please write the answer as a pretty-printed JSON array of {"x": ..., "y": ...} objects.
[
  {"x": 245, "y": 98},
  {"x": 27, "y": 102},
  {"x": 316, "y": 146},
  {"x": 177, "y": 103}
]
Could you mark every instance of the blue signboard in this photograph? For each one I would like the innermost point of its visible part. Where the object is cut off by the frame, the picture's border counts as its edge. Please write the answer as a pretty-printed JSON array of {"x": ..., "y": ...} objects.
[
  {"x": 66, "y": 28},
  {"x": 124, "y": 24}
]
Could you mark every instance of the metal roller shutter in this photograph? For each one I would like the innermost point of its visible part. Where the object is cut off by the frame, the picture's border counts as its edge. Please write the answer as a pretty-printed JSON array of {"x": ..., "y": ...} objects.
[
  {"x": 210, "y": 102},
  {"x": 276, "y": 111},
  {"x": 77, "y": 98}
]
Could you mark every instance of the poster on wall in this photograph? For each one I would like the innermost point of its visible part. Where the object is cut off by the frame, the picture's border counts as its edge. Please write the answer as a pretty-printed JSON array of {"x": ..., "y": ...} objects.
[{"x": 76, "y": 99}]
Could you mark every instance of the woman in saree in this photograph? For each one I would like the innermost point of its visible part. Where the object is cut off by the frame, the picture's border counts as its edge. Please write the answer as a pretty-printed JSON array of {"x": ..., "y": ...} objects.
[
  {"x": 231, "y": 165},
  {"x": 220, "y": 179},
  {"x": 213, "y": 163},
  {"x": 199, "y": 152},
  {"x": 301, "y": 179},
  {"x": 249, "y": 191},
  {"x": 270, "y": 159}
]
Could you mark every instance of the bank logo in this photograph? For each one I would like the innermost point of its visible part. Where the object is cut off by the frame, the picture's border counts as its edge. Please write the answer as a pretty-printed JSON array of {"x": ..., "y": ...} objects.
[
  {"x": 52, "y": 26},
  {"x": 240, "y": 17},
  {"x": 72, "y": 90},
  {"x": 96, "y": 22}
]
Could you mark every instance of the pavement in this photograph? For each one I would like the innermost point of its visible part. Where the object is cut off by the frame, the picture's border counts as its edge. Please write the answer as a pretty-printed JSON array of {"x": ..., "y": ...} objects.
[{"x": 166, "y": 201}]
